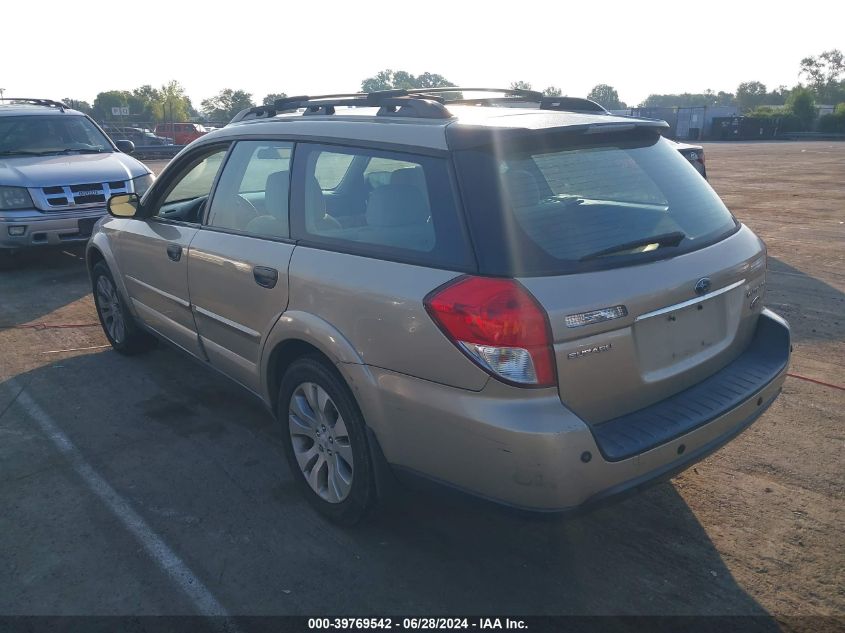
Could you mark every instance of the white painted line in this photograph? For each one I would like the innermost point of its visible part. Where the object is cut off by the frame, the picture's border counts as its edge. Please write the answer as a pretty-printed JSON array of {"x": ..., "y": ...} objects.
[
  {"x": 204, "y": 602},
  {"x": 74, "y": 349}
]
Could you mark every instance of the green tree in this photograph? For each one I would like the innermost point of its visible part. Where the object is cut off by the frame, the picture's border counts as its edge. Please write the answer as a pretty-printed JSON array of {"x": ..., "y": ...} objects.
[
  {"x": 400, "y": 79},
  {"x": 172, "y": 104},
  {"x": 552, "y": 91},
  {"x": 606, "y": 96},
  {"x": 689, "y": 99},
  {"x": 750, "y": 94},
  {"x": 270, "y": 99},
  {"x": 823, "y": 72},
  {"x": 225, "y": 105},
  {"x": 82, "y": 106},
  {"x": 802, "y": 104},
  {"x": 105, "y": 101},
  {"x": 520, "y": 85}
]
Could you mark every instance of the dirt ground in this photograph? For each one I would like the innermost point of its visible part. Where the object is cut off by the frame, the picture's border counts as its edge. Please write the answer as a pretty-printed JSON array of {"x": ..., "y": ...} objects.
[{"x": 756, "y": 529}]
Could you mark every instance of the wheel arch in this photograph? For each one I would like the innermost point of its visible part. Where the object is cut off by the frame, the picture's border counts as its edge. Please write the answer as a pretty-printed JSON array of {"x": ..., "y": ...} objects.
[
  {"x": 99, "y": 250},
  {"x": 297, "y": 334}
]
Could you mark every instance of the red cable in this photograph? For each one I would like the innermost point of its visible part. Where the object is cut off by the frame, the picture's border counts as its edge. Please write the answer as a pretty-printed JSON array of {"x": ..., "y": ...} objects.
[{"x": 818, "y": 382}]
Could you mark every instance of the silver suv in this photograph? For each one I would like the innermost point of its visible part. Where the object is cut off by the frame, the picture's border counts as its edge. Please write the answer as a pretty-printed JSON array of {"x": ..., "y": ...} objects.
[
  {"x": 541, "y": 308},
  {"x": 57, "y": 170}
]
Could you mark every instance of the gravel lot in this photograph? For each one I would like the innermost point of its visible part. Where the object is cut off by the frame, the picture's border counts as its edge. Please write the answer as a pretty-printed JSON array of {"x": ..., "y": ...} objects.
[{"x": 150, "y": 485}]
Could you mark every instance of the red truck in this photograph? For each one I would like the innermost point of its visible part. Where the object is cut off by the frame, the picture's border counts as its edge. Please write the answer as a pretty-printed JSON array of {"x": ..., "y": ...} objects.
[{"x": 181, "y": 133}]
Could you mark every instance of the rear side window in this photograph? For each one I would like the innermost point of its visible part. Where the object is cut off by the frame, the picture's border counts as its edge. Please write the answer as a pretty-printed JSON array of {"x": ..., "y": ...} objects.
[
  {"x": 558, "y": 205},
  {"x": 384, "y": 204}
]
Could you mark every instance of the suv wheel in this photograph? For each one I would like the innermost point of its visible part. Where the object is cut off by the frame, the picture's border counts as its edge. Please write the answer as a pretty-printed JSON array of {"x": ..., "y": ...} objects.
[
  {"x": 325, "y": 441},
  {"x": 119, "y": 326}
]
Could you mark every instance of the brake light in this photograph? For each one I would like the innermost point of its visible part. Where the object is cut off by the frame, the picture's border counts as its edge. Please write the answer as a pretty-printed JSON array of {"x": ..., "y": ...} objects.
[{"x": 499, "y": 325}]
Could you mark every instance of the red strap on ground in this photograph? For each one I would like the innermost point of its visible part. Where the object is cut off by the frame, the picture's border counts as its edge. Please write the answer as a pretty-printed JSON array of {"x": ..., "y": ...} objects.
[{"x": 818, "y": 382}]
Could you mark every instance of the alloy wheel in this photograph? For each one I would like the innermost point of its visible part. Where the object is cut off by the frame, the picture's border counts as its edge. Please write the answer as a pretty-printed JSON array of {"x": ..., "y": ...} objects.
[
  {"x": 321, "y": 442},
  {"x": 108, "y": 303}
]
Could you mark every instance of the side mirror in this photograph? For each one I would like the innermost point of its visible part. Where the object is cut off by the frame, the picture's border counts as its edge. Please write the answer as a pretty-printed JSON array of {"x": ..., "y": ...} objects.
[
  {"x": 125, "y": 146},
  {"x": 123, "y": 205}
]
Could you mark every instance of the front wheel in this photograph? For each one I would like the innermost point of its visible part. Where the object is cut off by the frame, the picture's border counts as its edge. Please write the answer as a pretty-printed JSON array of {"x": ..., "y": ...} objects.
[
  {"x": 326, "y": 442},
  {"x": 119, "y": 326}
]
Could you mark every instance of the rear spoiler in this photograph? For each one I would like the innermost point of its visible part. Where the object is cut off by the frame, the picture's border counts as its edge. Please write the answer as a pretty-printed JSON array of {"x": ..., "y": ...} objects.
[{"x": 460, "y": 136}]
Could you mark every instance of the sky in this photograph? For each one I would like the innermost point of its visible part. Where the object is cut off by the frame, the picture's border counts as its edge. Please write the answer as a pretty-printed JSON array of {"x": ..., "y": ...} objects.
[{"x": 77, "y": 49}]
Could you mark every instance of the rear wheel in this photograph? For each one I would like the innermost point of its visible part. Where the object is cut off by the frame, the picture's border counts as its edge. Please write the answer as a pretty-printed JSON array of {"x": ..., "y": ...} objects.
[
  {"x": 119, "y": 326},
  {"x": 325, "y": 441}
]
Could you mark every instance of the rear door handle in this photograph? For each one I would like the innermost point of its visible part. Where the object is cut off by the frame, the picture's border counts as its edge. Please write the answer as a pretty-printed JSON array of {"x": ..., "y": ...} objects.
[
  {"x": 174, "y": 252},
  {"x": 265, "y": 277}
]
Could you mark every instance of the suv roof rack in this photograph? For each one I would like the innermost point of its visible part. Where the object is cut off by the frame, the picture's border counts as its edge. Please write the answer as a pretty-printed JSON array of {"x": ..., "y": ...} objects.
[
  {"x": 49, "y": 103},
  {"x": 427, "y": 103},
  {"x": 389, "y": 102},
  {"x": 571, "y": 104}
]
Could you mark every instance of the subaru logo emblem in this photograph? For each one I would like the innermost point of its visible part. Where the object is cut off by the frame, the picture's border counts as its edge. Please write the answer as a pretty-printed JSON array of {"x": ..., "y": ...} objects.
[{"x": 702, "y": 286}]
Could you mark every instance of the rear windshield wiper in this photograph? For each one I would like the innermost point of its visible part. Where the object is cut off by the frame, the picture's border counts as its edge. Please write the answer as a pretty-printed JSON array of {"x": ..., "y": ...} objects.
[{"x": 664, "y": 239}]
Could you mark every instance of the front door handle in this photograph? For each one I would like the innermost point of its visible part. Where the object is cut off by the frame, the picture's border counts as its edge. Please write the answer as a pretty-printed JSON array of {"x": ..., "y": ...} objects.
[
  {"x": 265, "y": 277},
  {"x": 174, "y": 252}
]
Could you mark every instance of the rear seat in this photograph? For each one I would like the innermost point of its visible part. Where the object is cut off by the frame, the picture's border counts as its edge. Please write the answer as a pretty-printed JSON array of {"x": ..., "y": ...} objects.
[{"x": 397, "y": 215}]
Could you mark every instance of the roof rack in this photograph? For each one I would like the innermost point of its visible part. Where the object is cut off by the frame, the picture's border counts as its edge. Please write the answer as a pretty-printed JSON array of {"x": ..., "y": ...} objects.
[
  {"x": 389, "y": 103},
  {"x": 571, "y": 104},
  {"x": 528, "y": 95},
  {"x": 427, "y": 103},
  {"x": 42, "y": 102}
]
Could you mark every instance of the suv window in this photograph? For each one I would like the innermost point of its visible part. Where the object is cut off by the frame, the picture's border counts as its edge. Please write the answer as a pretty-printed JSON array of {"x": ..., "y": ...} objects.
[
  {"x": 40, "y": 134},
  {"x": 252, "y": 194},
  {"x": 187, "y": 194},
  {"x": 408, "y": 212},
  {"x": 561, "y": 204}
]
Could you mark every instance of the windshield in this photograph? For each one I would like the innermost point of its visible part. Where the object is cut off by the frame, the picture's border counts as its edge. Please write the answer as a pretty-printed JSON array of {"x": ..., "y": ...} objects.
[
  {"x": 563, "y": 205},
  {"x": 42, "y": 135}
]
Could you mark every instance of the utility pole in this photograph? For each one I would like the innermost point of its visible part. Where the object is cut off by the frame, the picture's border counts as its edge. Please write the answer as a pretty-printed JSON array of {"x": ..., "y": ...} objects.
[{"x": 2, "y": 92}]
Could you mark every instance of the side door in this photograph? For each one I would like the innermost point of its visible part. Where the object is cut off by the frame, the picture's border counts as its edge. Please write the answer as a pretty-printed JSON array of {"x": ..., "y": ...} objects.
[
  {"x": 238, "y": 263},
  {"x": 152, "y": 248}
]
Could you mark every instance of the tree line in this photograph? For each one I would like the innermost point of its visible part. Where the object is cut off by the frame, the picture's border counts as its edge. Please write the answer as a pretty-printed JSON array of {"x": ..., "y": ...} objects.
[{"x": 823, "y": 74}]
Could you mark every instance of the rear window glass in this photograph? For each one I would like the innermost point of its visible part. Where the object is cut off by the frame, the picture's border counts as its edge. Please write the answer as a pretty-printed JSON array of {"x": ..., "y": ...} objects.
[{"x": 546, "y": 207}]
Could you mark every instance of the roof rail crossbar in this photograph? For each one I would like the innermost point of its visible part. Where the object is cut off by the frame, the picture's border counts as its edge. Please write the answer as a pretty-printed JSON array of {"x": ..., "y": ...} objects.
[
  {"x": 42, "y": 102},
  {"x": 571, "y": 104},
  {"x": 532, "y": 95},
  {"x": 390, "y": 103}
]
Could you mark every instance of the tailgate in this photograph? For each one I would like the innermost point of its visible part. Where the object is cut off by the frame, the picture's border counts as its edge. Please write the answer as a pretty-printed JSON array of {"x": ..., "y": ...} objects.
[{"x": 672, "y": 336}]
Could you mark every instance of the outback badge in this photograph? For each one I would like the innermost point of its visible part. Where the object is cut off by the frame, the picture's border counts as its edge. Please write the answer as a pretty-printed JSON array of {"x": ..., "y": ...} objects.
[{"x": 595, "y": 349}]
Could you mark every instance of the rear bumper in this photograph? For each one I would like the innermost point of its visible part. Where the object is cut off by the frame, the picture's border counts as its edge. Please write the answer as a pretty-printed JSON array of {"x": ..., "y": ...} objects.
[
  {"x": 526, "y": 450},
  {"x": 47, "y": 229}
]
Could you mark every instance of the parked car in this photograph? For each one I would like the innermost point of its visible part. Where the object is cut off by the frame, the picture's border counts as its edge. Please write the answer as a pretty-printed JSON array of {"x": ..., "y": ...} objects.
[
  {"x": 694, "y": 154},
  {"x": 57, "y": 170},
  {"x": 181, "y": 133},
  {"x": 139, "y": 136},
  {"x": 544, "y": 309}
]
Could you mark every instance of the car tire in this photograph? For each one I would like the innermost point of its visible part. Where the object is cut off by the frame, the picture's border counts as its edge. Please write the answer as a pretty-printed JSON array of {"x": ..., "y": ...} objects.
[
  {"x": 119, "y": 326},
  {"x": 325, "y": 440}
]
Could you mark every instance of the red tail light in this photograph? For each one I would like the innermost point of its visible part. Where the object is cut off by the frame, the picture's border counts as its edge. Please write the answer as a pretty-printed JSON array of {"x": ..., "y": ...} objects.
[{"x": 499, "y": 325}]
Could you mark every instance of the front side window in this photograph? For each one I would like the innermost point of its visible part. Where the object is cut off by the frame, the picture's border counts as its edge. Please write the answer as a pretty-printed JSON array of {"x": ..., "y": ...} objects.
[
  {"x": 252, "y": 195},
  {"x": 43, "y": 135},
  {"x": 186, "y": 196},
  {"x": 379, "y": 203}
]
